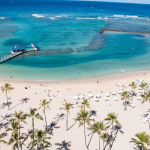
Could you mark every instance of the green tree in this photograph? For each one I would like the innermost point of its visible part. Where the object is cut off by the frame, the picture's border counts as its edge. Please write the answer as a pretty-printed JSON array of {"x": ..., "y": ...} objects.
[
  {"x": 84, "y": 104},
  {"x": 19, "y": 118},
  {"x": 43, "y": 105},
  {"x": 104, "y": 137},
  {"x": 2, "y": 135},
  {"x": 6, "y": 88},
  {"x": 14, "y": 127},
  {"x": 133, "y": 86},
  {"x": 146, "y": 97},
  {"x": 142, "y": 140},
  {"x": 112, "y": 118},
  {"x": 99, "y": 128},
  {"x": 16, "y": 140},
  {"x": 40, "y": 138},
  {"x": 125, "y": 96},
  {"x": 83, "y": 117},
  {"x": 143, "y": 85},
  {"x": 67, "y": 107},
  {"x": 34, "y": 115}
]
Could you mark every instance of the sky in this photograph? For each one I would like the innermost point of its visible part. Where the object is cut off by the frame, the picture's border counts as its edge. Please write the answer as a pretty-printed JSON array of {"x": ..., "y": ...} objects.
[{"x": 126, "y": 1}]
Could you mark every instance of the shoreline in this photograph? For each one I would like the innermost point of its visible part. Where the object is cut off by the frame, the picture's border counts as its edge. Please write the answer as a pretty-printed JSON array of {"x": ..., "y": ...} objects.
[{"x": 101, "y": 79}]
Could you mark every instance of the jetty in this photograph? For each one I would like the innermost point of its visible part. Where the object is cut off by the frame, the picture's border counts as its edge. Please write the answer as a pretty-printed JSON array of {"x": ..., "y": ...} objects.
[
  {"x": 103, "y": 30},
  {"x": 18, "y": 51}
]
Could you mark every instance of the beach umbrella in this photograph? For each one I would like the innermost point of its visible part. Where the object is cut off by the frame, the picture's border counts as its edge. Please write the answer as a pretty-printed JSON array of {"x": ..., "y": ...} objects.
[
  {"x": 90, "y": 95},
  {"x": 140, "y": 91},
  {"x": 115, "y": 98},
  {"x": 81, "y": 96},
  {"x": 76, "y": 97},
  {"x": 98, "y": 95},
  {"x": 113, "y": 93},
  {"x": 139, "y": 98},
  {"x": 140, "y": 88},
  {"x": 106, "y": 98},
  {"x": 96, "y": 99},
  {"x": 107, "y": 94}
]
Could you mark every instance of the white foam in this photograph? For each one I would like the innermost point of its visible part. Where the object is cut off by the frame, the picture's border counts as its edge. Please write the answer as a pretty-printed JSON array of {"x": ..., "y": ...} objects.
[
  {"x": 103, "y": 18},
  {"x": 128, "y": 16},
  {"x": 52, "y": 18},
  {"x": 118, "y": 15},
  {"x": 37, "y": 15},
  {"x": 2, "y": 17},
  {"x": 58, "y": 16},
  {"x": 85, "y": 18},
  {"x": 122, "y": 70}
]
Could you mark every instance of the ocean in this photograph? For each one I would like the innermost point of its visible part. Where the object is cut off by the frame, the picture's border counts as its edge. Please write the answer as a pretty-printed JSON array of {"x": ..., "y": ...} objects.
[{"x": 67, "y": 34}]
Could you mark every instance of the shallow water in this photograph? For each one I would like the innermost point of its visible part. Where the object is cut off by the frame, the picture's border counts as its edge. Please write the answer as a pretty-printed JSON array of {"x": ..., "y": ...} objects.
[{"x": 67, "y": 34}]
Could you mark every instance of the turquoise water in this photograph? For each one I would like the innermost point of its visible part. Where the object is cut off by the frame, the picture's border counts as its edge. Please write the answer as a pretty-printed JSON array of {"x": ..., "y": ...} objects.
[{"x": 67, "y": 34}]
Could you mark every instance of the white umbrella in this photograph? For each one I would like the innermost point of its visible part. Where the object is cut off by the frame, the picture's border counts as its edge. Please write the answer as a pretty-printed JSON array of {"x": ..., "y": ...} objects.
[
  {"x": 128, "y": 90},
  {"x": 140, "y": 91},
  {"x": 132, "y": 90},
  {"x": 113, "y": 93},
  {"x": 140, "y": 88},
  {"x": 139, "y": 98},
  {"x": 115, "y": 98},
  {"x": 96, "y": 99},
  {"x": 90, "y": 95},
  {"x": 106, "y": 98},
  {"x": 119, "y": 92},
  {"x": 76, "y": 97},
  {"x": 107, "y": 94},
  {"x": 81, "y": 96},
  {"x": 98, "y": 95}
]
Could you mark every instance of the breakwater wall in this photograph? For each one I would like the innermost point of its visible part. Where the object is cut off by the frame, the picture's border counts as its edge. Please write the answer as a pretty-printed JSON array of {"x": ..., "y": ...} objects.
[{"x": 103, "y": 30}]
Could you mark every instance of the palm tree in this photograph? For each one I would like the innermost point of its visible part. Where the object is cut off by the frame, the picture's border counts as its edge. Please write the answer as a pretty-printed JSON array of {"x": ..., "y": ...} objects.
[
  {"x": 125, "y": 96},
  {"x": 16, "y": 140},
  {"x": 99, "y": 128},
  {"x": 85, "y": 103},
  {"x": 6, "y": 88},
  {"x": 40, "y": 138},
  {"x": 104, "y": 137},
  {"x": 19, "y": 117},
  {"x": 34, "y": 115},
  {"x": 142, "y": 140},
  {"x": 67, "y": 107},
  {"x": 146, "y": 97},
  {"x": 83, "y": 117},
  {"x": 43, "y": 104},
  {"x": 1, "y": 136},
  {"x": 143, "y": 85},
  {"x": 14, "y": 127},
  {"x": 133, "y": 86},
  {"x": 112, "y": 118}
]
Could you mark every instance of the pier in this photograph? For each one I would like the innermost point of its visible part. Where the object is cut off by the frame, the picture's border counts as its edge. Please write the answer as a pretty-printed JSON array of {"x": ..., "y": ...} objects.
[
  {"x": 103, "y": 30},
  {"x": 18, "y": 51}
]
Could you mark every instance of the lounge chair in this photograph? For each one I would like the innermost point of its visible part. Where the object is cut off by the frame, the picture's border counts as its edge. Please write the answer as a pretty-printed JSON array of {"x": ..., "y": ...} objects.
[{"x": 143, "y": 120}]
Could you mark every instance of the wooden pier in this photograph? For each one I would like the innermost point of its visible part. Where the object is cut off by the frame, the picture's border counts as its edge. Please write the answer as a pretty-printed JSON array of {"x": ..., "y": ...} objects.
[
  {"x": 102, "y": 31},
  {"x": 11, "y": 56}
]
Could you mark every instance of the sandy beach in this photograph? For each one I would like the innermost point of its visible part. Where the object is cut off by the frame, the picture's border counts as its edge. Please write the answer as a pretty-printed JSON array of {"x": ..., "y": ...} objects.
[{"x": 66, "y": 90}]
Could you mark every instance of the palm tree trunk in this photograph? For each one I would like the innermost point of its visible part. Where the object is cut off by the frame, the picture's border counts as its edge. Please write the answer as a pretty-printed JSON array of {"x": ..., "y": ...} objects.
[
  {"x": 67, "y": 122},
  {"x": 19, "y": 137},
  {"x": 99, "y": 142},
  {"x": 103, "y": 145},
  {"x": 33, "y": 127},
  {"x": 85, "y": 135},
  {"x": 18, "y": 145},
  {"x": 45, "y": 119}
]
